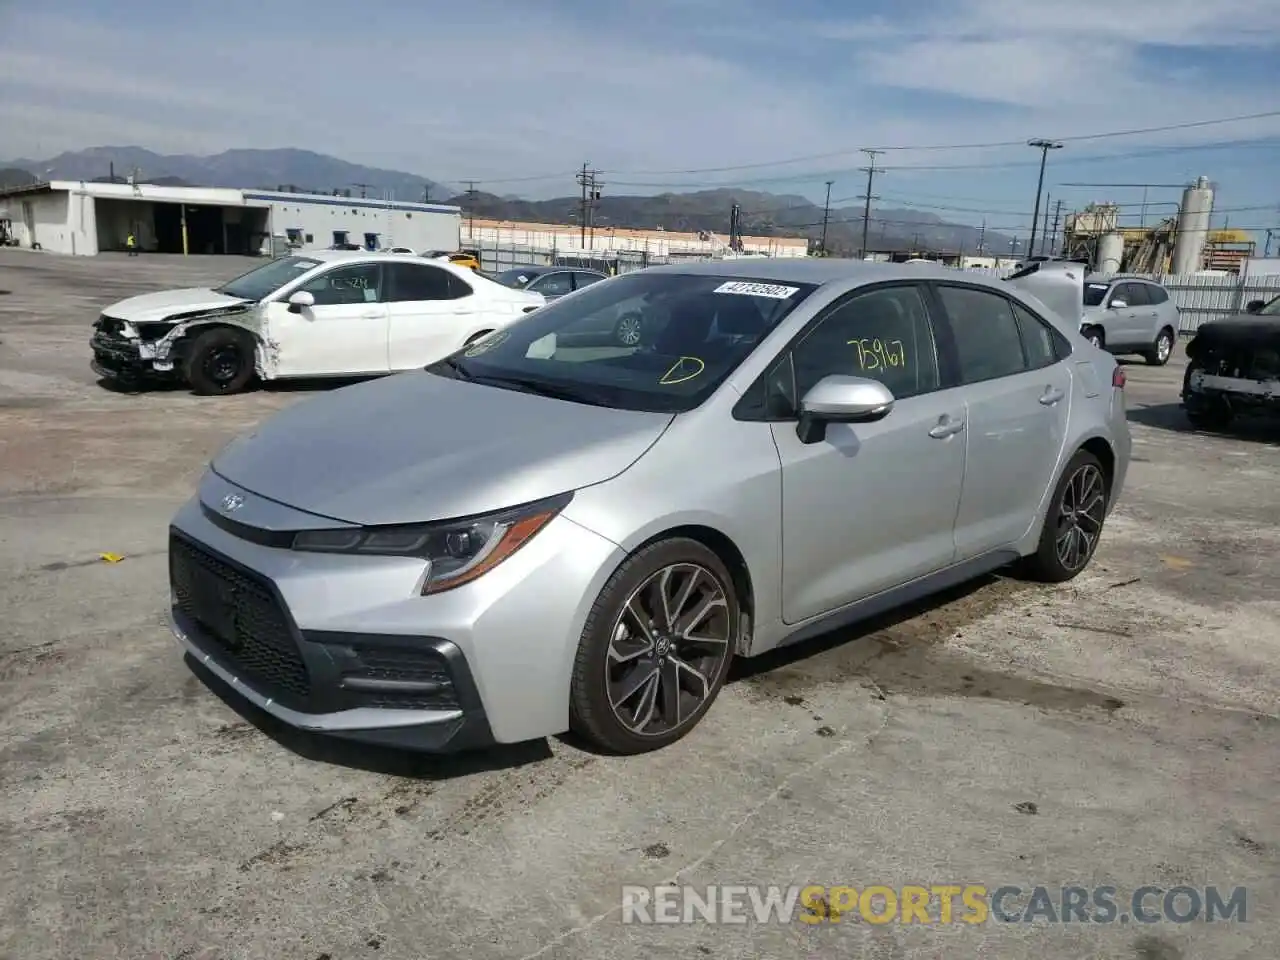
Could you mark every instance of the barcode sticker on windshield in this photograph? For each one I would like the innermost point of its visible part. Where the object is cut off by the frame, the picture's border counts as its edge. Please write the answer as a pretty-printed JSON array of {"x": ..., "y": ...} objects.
[{"x": 771, "y": 290}]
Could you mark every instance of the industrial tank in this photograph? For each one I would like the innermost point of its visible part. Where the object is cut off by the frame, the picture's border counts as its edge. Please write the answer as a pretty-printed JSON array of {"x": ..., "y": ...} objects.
[
  {"x": 1110, "y": 252},
  {"x": 1193, "y": 227}
]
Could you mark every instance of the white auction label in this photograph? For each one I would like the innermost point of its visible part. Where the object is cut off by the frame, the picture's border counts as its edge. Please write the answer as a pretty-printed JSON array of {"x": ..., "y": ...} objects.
[{"x": 747, "y": 288}]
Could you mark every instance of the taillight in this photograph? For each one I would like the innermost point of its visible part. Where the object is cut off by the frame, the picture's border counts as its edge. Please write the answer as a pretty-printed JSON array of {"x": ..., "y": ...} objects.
[{"x": 1117, "y": 377}]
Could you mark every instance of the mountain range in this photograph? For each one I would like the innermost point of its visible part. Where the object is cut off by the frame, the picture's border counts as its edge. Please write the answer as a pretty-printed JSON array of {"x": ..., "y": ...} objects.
[{"x": 762, "y": 214}]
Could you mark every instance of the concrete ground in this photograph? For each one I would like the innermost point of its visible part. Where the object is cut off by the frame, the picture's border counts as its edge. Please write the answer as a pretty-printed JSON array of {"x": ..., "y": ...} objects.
[{"x": 1119, "y": 730}]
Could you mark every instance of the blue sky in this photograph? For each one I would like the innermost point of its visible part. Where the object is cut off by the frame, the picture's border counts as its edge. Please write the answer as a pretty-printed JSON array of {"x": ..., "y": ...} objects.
[{"x": 657, "y": 95}]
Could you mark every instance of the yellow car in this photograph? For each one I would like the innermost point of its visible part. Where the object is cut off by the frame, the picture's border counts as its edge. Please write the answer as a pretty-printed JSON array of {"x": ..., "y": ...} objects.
[{"x": 462, "y": 258}]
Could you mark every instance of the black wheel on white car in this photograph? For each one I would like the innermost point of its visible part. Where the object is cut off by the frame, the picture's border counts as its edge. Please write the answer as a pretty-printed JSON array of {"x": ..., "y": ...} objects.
[
  {"x": 1073, "y": 524},
  {"x": 656, "y": 648},
  {"x": 629, "y": 330},
  {"x": 1161, "y": 350},
  {"x": 220, "y": 361},
  {"x": 1204, "y": 411},
  {"x": 1095, "y": 336}
]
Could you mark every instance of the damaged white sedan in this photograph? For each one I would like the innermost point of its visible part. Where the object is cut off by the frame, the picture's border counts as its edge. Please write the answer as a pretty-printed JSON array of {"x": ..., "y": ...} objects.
[{"x": 323, "y": 314}]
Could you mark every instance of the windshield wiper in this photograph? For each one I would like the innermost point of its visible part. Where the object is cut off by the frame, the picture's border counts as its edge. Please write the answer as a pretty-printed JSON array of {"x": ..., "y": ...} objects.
[
  {"x": 544, "y": 389},
  {"x": 455, "y": 366}
]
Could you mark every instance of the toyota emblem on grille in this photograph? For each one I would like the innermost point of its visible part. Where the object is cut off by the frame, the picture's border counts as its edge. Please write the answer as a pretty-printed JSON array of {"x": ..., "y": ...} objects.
[{"x": 232, "y": 502}]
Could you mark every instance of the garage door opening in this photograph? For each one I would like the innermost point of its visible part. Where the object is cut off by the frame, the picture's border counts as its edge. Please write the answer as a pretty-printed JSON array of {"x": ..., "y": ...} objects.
[{"x": 240, "y": 231}]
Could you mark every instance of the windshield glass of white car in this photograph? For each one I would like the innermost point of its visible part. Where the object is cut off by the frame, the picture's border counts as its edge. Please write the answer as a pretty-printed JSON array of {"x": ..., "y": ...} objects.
[
  {"x": 265, "y": 280},
  {"x": 648, "y": 341}
]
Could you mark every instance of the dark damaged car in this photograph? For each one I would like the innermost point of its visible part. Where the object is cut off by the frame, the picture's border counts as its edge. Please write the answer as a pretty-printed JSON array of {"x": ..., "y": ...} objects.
[
  {"x": 1233, "y": 367},
  {"x": 325, "y": 314}
]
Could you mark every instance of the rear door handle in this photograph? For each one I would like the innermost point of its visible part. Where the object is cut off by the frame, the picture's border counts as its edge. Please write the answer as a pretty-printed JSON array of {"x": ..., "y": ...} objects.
[
  {"x": 946, "y": 428},
  {"x": 1051, "y": 396}
]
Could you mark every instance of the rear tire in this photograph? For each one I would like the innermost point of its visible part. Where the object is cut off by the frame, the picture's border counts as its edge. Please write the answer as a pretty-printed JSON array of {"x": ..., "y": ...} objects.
[
  {"x": 1073, "y": 523},
  {"x": 1162, "y": 349},
  {"x": 1204, "y": 412},
  {"x": 647, "y": 671},
  {"x": 1095, "y": 336},
  {"x": 220, "y": 362}
]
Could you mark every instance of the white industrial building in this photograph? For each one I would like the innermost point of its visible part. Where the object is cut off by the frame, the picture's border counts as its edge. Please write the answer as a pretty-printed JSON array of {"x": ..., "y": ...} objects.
[{"x": 84, "y": 218}]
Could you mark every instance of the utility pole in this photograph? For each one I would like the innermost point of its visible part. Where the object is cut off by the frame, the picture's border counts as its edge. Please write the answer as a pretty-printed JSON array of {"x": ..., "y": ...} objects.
[
  {"x": 870, "y": 171},
  {"x": 363, "y": 187},
  {"x": 1048, "y": 199},
  {"x": 588, "y": 180},
  {"x": 471, "y": 211},
  {"x": 1057, "y": 217},
  {"x": 826, "y": 216},
  {"x": 426, "y": 194},
  {"x": 982, "y": 237},
  {"x": 1044, "y": 146}
]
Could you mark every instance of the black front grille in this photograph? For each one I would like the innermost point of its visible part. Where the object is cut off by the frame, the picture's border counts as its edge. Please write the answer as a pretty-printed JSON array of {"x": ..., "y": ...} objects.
[{"x": 241, "y": 615}]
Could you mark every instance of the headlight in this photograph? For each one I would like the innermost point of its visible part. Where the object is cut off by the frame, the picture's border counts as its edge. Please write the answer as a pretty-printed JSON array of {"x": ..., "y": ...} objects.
[{"x": 457, "y": 551}]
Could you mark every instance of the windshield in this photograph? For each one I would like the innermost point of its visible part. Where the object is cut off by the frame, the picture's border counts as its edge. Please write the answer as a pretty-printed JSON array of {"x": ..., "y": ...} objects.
[
  {"x": 516, "y": 279},
  {"x": 661, "y": 342},
  {"x": 261, "y": 282},
  {"x": 1095, "y": 293}
]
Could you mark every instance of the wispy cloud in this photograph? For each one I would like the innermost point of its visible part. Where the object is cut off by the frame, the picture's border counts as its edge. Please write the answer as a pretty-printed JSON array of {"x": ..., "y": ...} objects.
[{"x": 495, "y": 89}]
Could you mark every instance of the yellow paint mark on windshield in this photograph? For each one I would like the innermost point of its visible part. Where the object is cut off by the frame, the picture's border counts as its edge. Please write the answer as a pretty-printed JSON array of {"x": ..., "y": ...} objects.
[{"x": 683, "y": 370}]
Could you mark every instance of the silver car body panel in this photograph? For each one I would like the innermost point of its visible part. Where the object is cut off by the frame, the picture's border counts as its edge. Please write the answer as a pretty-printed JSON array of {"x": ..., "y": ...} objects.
[{"x": 827, "y": 532}]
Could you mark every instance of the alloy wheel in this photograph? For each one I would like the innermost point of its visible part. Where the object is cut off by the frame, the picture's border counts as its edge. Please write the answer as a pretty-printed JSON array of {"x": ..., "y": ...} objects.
[
  {"x": 667, "y": 649},
  {"x": 1164, "y": 347},
  {"x": 629, "y": 331},
  {"x": 1080, "y": 516}
]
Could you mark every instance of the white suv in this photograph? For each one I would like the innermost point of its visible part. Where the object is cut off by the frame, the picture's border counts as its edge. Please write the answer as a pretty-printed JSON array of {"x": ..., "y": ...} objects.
[{"x": 1130, "y": 315}]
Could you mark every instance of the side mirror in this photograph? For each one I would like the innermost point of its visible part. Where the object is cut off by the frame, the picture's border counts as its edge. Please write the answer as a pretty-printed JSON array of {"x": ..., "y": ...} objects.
[
  {"x": 301, "y": 299},
  {"x": 841, "y": 399},
  {"x": 1117, "y": 305},
  {"x": 1255, "y": 306}
]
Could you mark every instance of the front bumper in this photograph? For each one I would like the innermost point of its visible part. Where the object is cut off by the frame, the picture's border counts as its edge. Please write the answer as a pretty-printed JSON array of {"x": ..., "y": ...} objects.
[
  {"x": 346, "y": 646},
  {"x": 121, "y": 359}
]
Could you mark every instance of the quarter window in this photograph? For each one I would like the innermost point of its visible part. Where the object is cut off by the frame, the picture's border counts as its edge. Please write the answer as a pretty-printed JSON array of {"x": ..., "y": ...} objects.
[
  {"x": 988, "y": 342},
  {"x": 1156, "y": 294},
  {"x": 346, "y": 285},
  {"x": 883, "y": 334},
  {"x": 1038, "y": 342}
]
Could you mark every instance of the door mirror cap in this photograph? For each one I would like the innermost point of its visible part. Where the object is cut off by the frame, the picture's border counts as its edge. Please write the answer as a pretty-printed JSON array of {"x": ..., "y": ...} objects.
[
  {"x": 842, "y": 399},
  {"x": 1255, "y": 306},
  {"x": 300, "y": 299},
  {"x": 1117, "y": 305}
]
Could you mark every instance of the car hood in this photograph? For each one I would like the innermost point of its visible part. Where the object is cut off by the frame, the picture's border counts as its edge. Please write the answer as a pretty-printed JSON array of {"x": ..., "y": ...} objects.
[
  {"x": 153, "y": 307},
  {"x": 1241, "y": 330},
  {"x": 416, "y": 447}
]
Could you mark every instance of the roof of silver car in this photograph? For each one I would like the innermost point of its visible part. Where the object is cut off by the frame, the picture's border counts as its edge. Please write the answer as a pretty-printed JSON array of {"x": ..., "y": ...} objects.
[{"x": 819, "y": 270}]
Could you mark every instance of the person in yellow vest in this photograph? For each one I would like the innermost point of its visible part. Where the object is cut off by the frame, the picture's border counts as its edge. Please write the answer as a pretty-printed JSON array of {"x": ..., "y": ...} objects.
[{"x": 131, "y": 243}]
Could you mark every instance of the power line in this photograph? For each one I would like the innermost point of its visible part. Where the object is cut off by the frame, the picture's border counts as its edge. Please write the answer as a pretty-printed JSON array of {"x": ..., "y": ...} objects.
[
  {"x": 1078, "y": 138},
  {"x": 1267, "y": 142}
]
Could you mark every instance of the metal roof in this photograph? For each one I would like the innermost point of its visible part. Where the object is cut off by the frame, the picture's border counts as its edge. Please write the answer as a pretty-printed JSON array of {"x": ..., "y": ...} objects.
[{"x": 822, "y": 270}]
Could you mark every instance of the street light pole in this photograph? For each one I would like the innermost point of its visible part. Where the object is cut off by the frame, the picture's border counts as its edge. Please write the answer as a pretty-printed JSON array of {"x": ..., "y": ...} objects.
[{"x": 1044, "y": 146}]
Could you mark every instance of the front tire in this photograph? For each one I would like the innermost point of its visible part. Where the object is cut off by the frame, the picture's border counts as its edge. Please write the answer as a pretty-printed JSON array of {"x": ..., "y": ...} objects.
[
  {"x": 1161, "y": 350},
  {"x": 220, "y": 362},
  {"x": 1095, "y": 336},
  {"x": 656, "y": 648},
  {"x": 1073, "y": 524}
]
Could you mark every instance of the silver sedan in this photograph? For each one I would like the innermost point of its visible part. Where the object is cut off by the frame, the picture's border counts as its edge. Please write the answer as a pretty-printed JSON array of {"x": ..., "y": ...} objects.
[{"x": 545, "y": 532}]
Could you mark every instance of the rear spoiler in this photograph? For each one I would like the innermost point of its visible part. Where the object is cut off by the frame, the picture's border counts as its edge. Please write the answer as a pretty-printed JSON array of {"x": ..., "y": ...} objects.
[{"x": 1058, "y": 284}]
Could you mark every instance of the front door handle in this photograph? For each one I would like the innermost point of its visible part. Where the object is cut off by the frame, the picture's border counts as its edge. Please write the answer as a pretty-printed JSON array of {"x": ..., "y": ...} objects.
[
  {"x": 946, "y": 428},
  {"x": 371, "y": 314},
  {"x": 1051, "y": 396}
]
